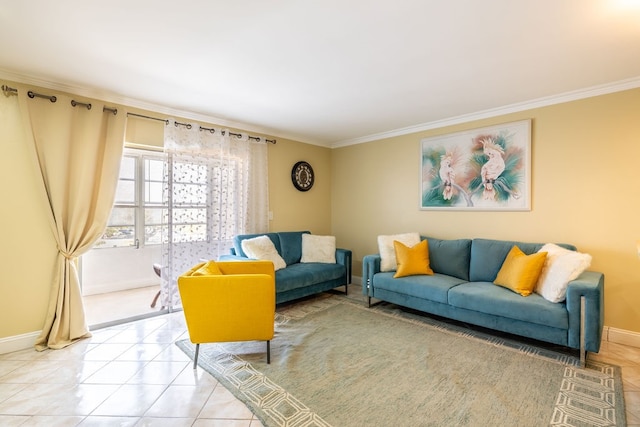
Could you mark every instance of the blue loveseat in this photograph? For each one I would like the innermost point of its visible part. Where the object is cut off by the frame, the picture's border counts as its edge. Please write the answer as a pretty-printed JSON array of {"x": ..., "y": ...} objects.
[
  {"x": 462, "y": 289},
  {"x": 299, "y": 279}
]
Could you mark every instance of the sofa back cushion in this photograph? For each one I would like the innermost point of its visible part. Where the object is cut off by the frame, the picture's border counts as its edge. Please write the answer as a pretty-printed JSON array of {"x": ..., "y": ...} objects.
[
  {"x": 291, "y": 244},
  {"x": 287, "y": 243},
  {"x": 450, "y": 257},
  {"x": 487, "y": 256},
  {"x": 237, "y": 242}
]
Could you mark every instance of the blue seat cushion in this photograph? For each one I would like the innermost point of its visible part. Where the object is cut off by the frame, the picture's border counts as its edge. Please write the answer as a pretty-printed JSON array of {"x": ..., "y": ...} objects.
[
  {"x": 307, "y": 274},
  {"x": 430, "y": 287},
  {"x": 488, "y": 298}
]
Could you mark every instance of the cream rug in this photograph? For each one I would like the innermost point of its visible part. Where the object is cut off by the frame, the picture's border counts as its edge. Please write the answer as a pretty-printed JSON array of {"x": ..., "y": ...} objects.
[{"x": 337, "y": 363}]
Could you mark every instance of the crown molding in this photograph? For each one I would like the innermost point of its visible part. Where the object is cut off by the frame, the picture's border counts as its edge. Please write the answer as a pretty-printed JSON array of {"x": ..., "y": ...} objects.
[
  {"x": 590, "y": 92},
  {"x": 106, "y": 96},
  {"x": 148, "y": 106}
]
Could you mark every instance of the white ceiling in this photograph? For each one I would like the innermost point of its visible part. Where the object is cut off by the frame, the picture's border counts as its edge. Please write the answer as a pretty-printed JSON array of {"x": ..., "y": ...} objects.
[{"x": 327, "y": 72}]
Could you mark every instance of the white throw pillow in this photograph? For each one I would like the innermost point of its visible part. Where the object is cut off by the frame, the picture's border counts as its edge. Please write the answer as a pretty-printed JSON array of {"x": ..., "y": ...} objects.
[
  {"x": 318, "y": 249},
  {"x": 262, "y": 248},
  {"x": 561, "y": 266},
  {"x": 387, "y": 251}
]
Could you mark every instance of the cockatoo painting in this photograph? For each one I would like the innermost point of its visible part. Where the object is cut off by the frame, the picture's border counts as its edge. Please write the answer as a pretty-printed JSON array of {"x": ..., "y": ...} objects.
[
  {"x": 485, "y": 168},
  {"x": 447, "y": 175},
  {"x": 493, "y": 168}
]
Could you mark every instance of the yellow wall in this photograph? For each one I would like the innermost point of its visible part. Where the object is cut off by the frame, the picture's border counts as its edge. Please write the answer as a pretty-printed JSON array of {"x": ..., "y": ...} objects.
[
  {"x": 293, "y": 209},
  {"x": 28, "y": 249},
  {"x": 585, "y": 191}
]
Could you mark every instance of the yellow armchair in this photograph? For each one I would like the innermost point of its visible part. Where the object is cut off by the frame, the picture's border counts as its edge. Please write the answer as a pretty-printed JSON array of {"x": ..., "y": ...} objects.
[{"x": 229, "y": 301}]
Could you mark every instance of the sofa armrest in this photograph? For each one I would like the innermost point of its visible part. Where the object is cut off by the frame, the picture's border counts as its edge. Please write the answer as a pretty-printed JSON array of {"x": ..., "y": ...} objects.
[
  {"x": 370, "y": 266},
  {"x": 240, "y": 268},
  {"x": 343, "y": 256},
  {"x": 589, "y": 284}
]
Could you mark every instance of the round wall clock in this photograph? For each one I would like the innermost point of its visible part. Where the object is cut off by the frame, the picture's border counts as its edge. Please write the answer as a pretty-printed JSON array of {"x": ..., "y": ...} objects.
[{"x": 302, "y": 176}]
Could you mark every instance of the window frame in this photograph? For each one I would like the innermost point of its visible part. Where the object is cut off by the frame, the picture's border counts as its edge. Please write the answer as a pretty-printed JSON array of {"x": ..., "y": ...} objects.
[
  {"x": 139, "y": 205},
  {"x": 143, "y": 180}
]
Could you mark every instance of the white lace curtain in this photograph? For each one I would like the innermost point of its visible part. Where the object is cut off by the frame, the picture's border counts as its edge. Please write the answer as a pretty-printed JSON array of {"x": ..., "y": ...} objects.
[{"x": 216, "y": 187}]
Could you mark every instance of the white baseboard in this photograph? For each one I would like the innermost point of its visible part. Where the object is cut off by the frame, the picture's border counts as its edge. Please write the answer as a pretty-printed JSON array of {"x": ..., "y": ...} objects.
[
  {"x": 117, "y": 287},
  {"x": 614, "y": 335},
  {"x": 18, "y": 342},
  {"x": 621, "y": 336}
]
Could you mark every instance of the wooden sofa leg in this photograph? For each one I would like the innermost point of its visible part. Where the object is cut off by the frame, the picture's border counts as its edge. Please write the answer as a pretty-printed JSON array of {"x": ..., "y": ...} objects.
[
  {"x": 195, "y": 358},
  {"x": 155, "y": 300},
  {"x": 268, "y": 352}
]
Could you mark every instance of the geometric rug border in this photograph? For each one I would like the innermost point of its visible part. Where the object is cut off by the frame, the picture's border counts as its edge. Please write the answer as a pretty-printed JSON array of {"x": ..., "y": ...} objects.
[
  {"x": 575, "y": 404},
  {"x": 283, "y": 409}
]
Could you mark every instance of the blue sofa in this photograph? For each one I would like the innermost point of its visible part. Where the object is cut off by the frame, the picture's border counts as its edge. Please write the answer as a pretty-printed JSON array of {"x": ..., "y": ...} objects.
[
  {"x": 298, "y": 279},
  {"x": 462, "y": 289}
]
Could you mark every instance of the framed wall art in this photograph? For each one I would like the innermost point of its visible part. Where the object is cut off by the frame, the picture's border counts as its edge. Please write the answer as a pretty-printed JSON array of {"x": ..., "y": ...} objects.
[{"x": 481, "y": 169}]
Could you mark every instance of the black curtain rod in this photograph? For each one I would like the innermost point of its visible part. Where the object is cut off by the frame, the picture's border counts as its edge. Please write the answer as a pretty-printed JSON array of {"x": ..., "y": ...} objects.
[
  {"x": 255, "y": 138},
  {"x": 52, "y": 98},
  {"x": 31, "y": 94},
  {"x": 148, "y": 117},
  {"x": 212, "y": 130},
  {"x": 74, "y": 103},
  {"x": 9, "y": 90}
]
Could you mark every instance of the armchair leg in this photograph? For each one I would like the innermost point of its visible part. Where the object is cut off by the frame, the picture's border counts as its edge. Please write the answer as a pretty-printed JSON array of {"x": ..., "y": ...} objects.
[
  {"x": 195, "y": 359},
  {"x": 268, "y": 352}
]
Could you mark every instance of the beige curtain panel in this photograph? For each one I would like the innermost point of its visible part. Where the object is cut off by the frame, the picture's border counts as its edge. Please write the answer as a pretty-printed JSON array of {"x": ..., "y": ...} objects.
[{"x": 77, "y": 152}]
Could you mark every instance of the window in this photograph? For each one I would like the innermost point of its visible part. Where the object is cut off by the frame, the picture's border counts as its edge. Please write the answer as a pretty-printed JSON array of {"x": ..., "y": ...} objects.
[
  {"x": 121, "y": 227},
  {"x": 137, "y": 212},
  {"x": 191, "y": 198},
  {"x": 140, "y": 210},
  {"x": 153, "y": 172}
]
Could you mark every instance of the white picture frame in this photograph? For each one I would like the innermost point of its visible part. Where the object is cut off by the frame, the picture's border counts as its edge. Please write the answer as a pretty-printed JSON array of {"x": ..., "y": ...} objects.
[{"x": 486, "y": 169}]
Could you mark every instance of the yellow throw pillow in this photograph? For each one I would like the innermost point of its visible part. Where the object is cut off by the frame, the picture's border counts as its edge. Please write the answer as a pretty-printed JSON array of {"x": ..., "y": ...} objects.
[
  {"x": 412, "y": 260},
  {"x": 210, "y": 268},
  {"x": 388, "y": 260},
  {"x": 520, "y": 272}
]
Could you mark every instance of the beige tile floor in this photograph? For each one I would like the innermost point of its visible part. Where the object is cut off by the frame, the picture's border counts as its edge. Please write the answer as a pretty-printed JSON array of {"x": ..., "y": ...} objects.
[
  {"x": 127, "y": 375},
  {"x": 113, "y": 306},
  {"x": 133, "y": 375},
  {"x": 628, "y": 358}
]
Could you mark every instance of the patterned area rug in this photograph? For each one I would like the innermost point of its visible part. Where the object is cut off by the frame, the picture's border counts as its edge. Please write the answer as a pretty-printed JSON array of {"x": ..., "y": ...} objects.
[{"x": 337, "y": 363}]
